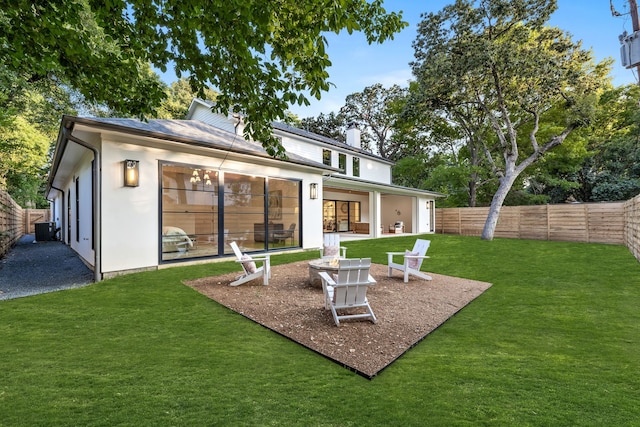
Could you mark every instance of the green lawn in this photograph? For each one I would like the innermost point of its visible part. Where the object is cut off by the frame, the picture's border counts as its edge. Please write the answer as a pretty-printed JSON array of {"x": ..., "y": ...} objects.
[{"x": 554, "y": 341}]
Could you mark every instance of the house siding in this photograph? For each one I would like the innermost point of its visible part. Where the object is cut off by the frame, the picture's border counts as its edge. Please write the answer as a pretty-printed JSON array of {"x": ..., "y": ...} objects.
[{"x": 136, "y": 243}]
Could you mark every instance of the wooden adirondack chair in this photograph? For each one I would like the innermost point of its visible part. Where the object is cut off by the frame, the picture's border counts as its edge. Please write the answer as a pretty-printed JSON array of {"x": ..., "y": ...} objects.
[
  {"x": 412, "y": 260},
  {"x": 331, "y": 247},
  {"x": 348, "y": 289},
  {"x": 250, "y": 271}
]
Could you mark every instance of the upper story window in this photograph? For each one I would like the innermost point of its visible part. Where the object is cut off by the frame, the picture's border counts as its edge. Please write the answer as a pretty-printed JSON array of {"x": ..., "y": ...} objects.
[
  {"x": 356, "y": 166},
  {"x": 326, "y": 157},
  {"x": 342, "y": 162}
]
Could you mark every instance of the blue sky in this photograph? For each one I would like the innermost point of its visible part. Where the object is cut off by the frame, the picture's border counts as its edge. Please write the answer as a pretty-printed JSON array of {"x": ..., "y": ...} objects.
[{"x": 357, "y": 65}]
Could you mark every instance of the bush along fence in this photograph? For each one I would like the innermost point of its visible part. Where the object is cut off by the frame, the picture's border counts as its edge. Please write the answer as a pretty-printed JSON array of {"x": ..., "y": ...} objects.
[
  {"x": 579, "y": 222},
  {"x": 11, "y": 222}
]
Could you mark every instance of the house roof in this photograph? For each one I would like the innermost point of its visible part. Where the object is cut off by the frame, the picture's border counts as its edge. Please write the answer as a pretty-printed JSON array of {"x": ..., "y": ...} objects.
[
  {"x": 188, "y": 132},
  {"x": 325, "y": 140},
  {"x": 191, "y": 132},
  {"x": 314, "y": 137}
]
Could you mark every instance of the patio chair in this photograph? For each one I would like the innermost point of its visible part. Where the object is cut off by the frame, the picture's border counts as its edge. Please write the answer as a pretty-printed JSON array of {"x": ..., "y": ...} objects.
[
  {"x": 412, "y": 260},
  {"x": 348, "y": 289},
  {"x": 250, "y": 271},
  {"x": 331, "y": 247},
  {"x": 175, "y": 239},
  {"x": 283, "y": 235}
]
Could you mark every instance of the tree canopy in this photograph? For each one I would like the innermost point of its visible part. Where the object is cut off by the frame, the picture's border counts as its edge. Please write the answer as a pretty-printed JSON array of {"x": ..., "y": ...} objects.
[
  {"x": 261, "y": 56},
  {"x": 498, "y": 60}
]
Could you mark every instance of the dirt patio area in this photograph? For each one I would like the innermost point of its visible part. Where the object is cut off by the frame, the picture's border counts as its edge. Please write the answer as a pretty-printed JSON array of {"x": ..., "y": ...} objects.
[{"x": 290, "y": 306}]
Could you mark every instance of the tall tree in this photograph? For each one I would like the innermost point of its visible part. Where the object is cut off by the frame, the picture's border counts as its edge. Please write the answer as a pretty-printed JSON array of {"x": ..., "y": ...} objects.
[
  {"x": 612, "y": 172},
  {"x": 262, "y": 56},
  {"x": 376, "y": 108},
  {"x": 498, "y": 58},
  {"x": 331, "y": 125}
]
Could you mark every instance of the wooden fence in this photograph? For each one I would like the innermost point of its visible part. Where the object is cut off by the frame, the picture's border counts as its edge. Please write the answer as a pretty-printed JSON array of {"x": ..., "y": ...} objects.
[
  {"x": 632, "y": 226},
  {"x": 613, "y": 223},
  {"x": 11, "y": 222},
  {"x": 33, "y": 216},
  {"x": 584, "y": 222}
]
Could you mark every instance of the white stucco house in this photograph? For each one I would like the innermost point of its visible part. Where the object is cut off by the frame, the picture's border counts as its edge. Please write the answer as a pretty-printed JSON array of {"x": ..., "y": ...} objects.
[{"x": 129, "y": 195}]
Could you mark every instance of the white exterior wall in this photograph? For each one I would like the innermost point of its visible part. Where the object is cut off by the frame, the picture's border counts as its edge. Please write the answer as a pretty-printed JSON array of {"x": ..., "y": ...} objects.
[
  {"x": 204, "y": 114},
  {"x": 130, "y": 215},
  {"x": 77, "y": 234},
  {"x": 370, "y": 168},
  {"x": 82, "y": 238},
  {"x": 375, "y": 171}
]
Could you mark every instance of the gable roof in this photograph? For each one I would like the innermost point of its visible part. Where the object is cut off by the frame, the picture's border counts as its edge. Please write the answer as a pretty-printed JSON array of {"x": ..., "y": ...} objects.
[
  {"x": 326, "y": 140},
  {"x": 189, "y": 132},
  {"x": 311, "y": 136}
]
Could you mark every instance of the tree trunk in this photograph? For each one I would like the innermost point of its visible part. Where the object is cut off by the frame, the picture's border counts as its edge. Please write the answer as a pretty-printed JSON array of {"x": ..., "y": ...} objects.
[
  {"x": 472, "y": 191},
  {"x": 496, "y": 204}
]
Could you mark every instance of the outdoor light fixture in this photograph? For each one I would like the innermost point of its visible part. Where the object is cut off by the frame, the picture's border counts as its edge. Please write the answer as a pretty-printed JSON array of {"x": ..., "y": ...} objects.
[
  {"x": 313, "y": 190},
  {"x": 131, "y": 173}
]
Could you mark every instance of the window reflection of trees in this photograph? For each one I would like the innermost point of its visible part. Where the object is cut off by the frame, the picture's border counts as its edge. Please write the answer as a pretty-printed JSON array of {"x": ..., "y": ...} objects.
[{"x": 192, "y": 206}]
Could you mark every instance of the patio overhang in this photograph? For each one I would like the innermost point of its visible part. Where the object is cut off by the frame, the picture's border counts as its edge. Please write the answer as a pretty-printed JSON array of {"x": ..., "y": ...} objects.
[{"x": 347, "y": 183}]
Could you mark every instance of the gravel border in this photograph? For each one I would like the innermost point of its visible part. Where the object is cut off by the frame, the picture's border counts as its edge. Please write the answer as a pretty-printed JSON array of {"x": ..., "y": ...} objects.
[{"x": 32, "y": 268}]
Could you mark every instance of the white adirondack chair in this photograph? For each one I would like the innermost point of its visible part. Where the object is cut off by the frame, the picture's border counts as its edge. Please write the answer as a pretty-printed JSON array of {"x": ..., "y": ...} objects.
[
  {"x": 348, "y": 289},
  {"x": 250, "y": 271},
  {"x": 331, "y": 247},
  {"x": 412, "y": 260}
]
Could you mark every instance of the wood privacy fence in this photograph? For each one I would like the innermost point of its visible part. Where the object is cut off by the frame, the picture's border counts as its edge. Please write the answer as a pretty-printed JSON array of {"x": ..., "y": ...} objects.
[
  {"x": 33, "y": 216},
  {"x": 632, "y": 226},
  {"x": 583, "y": 222},
  {"x": 11, "y": 222},
  {"x": 16, "y": 221}
]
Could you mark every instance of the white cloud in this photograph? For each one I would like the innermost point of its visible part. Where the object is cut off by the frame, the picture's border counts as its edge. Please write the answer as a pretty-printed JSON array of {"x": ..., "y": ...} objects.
[{"x": 399, "y": 77}]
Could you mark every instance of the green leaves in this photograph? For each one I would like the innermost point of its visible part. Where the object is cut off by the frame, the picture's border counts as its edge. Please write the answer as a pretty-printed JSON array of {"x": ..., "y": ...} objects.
[
  {"x": 493, "y": 68},
  {"x": 261, "y": 56}
]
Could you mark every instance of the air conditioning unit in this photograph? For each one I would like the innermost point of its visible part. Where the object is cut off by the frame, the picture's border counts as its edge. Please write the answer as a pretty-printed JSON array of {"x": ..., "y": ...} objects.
[
  {"x": 44, "y": 231},
  {"x": 630, "y": 49}
]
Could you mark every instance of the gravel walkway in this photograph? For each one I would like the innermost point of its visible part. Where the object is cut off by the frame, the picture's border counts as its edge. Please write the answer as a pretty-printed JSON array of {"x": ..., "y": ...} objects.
[{"x": 32, "y": 268}]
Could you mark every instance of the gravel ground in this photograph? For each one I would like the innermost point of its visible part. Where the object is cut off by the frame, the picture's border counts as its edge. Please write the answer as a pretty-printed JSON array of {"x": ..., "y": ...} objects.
[
  {"x": 32, "y": 268},
  {"x": 290, "y": 306}
]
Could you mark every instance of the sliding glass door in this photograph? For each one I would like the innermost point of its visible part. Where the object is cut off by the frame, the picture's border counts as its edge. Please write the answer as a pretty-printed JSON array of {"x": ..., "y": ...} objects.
[{"x": 202, "y": 211}]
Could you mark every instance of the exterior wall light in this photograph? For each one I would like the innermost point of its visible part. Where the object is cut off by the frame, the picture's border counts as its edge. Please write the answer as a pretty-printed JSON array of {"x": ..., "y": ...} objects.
[
  {"x": 131, "y": 173},
  {"x": 313, "y": 190}
]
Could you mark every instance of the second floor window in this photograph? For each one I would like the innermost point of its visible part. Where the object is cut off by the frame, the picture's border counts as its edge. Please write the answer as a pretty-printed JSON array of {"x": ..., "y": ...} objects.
[
  {"x": 326, "y": 157},
  {"x": 356, "y": 166},
  {"x": 342, "y": 162}
]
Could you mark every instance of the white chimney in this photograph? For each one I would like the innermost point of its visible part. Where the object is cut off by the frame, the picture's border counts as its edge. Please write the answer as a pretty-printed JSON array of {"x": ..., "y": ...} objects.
[{"x": 353, "y": 135}]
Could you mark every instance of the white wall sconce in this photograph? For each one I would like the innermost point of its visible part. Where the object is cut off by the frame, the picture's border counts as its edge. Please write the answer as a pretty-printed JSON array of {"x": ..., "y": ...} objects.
[
  {"x": 313, "y": 190},
  {"x": 131, "y": 173}
]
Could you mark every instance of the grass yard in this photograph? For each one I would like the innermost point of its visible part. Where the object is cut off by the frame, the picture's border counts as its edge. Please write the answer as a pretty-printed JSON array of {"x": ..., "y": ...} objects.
[{"x": 554, "y": 341}]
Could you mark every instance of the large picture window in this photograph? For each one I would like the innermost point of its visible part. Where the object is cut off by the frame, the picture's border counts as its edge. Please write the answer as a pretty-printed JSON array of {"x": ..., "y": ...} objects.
[
  {"x": 204, "y": 210},
  {"x": 189, "y": 212}
]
